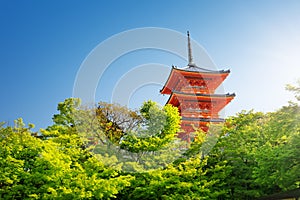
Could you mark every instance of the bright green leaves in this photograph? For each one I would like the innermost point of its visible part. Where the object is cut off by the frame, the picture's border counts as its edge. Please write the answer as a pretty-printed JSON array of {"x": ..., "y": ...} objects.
[
  {"x": 172, "y": 124},
  {"x": 184, "y": 181},
  {"x": 92, "y": 152},
  {"x": 158, "y": 129},
  {"x": 67, "y": 110},
  {"x": 278, "y": 162},
  {"x": 19, "y": 154},
  {"x": 153, "y": 144},
  {"x": 294, "y": 89},
  {"x": 259, "y": 152},
  {"x": 56, "y": 167}
]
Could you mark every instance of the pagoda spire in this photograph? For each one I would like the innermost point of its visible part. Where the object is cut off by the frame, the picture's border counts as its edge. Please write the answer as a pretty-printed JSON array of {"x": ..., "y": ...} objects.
[{"x": 190, "y": 51}]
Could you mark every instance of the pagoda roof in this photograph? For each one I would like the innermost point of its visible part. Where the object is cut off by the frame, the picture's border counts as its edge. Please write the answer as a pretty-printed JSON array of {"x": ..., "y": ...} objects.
[
  {"x": 220, "y": 100},
  {"x": 174, "y": 92},
  {"x": 195, "y": 68},
  {"x": 193, "y": 71}
]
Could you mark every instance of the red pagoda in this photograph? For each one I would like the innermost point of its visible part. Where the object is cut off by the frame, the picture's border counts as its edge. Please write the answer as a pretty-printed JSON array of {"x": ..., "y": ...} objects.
[{"x": 192, "y": 91}]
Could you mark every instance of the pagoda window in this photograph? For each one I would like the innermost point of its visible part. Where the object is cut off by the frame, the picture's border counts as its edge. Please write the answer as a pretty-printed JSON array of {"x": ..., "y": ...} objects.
[
  {"x": 207, "y": 107},
  {"x": 198, "y": 78}
]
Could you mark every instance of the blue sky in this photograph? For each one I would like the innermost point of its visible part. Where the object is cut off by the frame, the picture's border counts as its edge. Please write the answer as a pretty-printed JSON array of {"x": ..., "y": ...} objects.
[{"x": 43, "y": 44}]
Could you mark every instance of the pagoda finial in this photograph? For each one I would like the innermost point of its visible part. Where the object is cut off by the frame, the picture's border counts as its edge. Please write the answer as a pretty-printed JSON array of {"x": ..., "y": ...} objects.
[{"x": 189, "y": 50}]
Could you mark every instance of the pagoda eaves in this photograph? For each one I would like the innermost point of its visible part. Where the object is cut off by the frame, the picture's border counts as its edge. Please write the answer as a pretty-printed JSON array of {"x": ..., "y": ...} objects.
[
  {"x": 196, "y": 81},
  {"x": 199, "y": 105}
]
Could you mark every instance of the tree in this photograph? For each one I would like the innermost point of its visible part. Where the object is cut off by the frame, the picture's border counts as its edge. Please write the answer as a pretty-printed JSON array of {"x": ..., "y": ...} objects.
[
  {"x": 53, "y": 166},
  {"x": 134, "y": 140},
  {"x": 117, "y": 120},
  {"x": 278, "y": 159},
  {"x": 294, "y": 89},
  {"x": 111, "y": 152},
  {"x": 159, "y": 128},
  {"x": 260, "y": 153},
  {"x": 278, "y": 162},
  {"x": 154, "y": 144}
]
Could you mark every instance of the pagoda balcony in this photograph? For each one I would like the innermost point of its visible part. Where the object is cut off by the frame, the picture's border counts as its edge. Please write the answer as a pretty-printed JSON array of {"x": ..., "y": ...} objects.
[
  {"x": 196, "y": 90},
  {"x": 199, "y": 115}
]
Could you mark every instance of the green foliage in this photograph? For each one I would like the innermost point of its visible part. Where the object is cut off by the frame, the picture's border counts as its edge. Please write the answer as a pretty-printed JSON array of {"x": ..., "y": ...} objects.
[
  {"x": 294, "y": 89},
  {"x": 116, "y": 120},
  {"x": 159, "y": 128},
  {"x": 184, "y": 181},
  {"x": 84, "y": 155},
  {"x": 153, "y": 144},
  {"x": 260, "y": 153},
  {"x": 236, "y": 148},
  {"x": 54, "y": 167},
  {"x": 279, "y": 170},
  {"x": 67, "y": 110}
]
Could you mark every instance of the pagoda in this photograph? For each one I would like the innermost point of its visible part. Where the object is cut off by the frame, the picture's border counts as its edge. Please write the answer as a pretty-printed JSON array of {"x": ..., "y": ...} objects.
[{"x": 192, "y": 91}]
